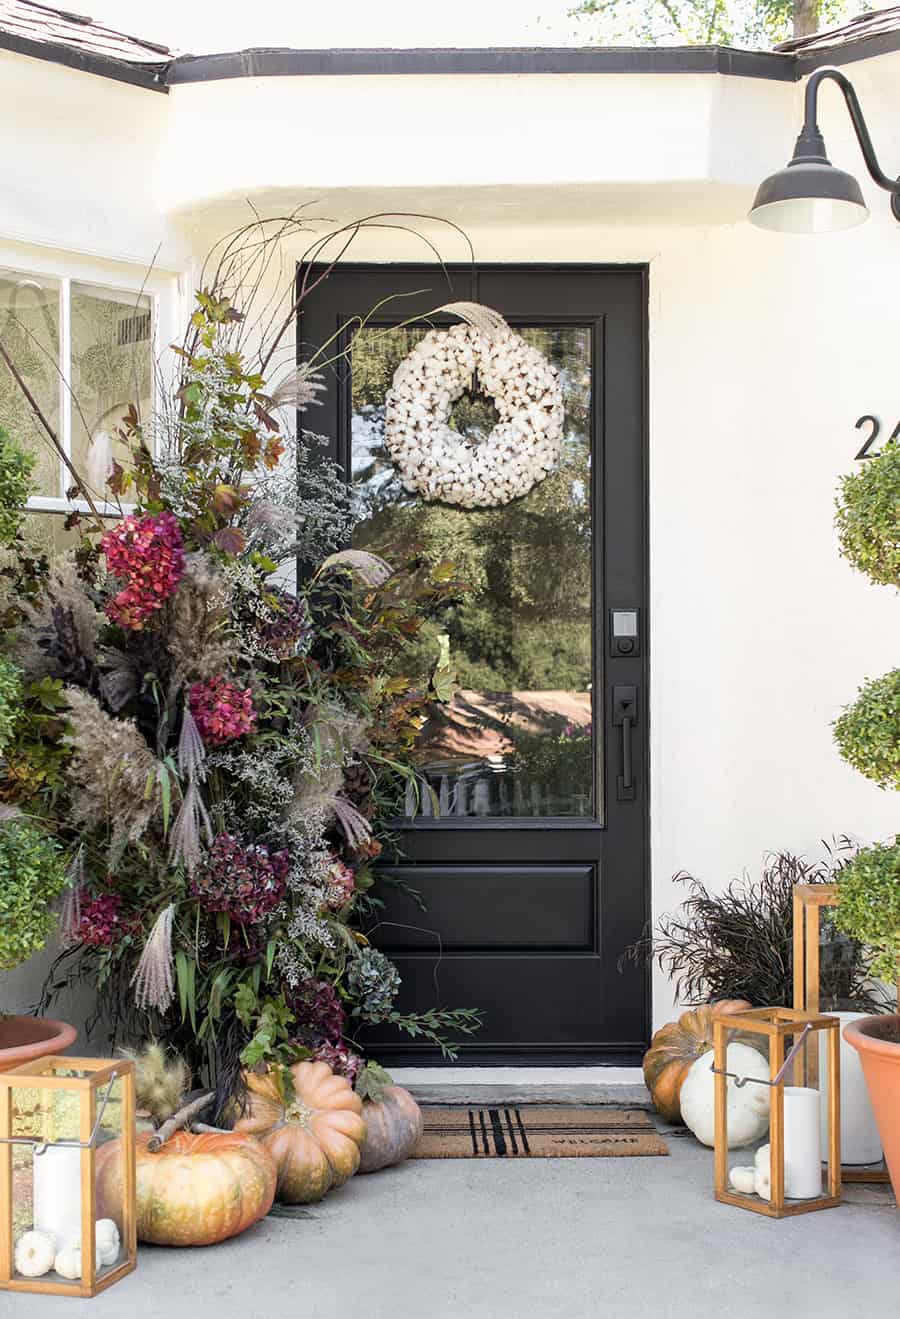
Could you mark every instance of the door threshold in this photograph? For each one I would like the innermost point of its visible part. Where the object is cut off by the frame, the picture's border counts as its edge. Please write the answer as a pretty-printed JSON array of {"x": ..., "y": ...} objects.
[
  {"x": 517, "y": 1076},
  {"x": 614, "y": 1087}
]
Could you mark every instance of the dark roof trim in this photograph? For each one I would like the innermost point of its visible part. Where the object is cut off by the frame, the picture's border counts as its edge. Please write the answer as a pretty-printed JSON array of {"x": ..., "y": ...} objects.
[
  {"x": 152, "y": 77},
  {"x": 847, "y": 52},
  {"x": 274, "y": 63}
]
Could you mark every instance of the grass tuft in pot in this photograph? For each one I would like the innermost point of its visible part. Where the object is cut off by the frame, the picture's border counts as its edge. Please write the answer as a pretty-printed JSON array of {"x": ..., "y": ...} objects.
[{"x": 738, "y": 944}]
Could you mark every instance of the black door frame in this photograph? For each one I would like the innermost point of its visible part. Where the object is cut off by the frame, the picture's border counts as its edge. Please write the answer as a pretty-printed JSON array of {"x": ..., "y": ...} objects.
[{"x": 547, "y": 839}]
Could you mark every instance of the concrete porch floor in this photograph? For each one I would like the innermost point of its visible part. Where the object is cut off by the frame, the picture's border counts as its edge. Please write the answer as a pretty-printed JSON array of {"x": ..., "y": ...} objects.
[{"x": 500, "y": 1239}]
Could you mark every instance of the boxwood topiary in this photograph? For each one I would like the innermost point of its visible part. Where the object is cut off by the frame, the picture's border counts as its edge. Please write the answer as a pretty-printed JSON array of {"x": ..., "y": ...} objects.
[
  {"x": 10, "y": 698},
  {"x": 32, "y": 874},
  {"x": 868, "y": 732},
  {"x": 868, "y": 516},
  {"x": 868, "y": 907}
]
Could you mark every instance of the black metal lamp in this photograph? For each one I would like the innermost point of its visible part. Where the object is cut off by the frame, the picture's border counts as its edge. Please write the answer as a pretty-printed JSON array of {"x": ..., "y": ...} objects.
[{"x": 810, "y": 195}]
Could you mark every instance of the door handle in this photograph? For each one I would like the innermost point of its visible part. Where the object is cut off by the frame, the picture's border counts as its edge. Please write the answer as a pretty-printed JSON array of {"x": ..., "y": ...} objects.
[{"x": 624, "y": 716}]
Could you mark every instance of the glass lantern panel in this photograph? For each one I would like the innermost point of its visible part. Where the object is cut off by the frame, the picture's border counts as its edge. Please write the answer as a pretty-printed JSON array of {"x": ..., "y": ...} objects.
[
  {"x": 109, "y": 1167},
  {"x": 46, "y": 1180}
]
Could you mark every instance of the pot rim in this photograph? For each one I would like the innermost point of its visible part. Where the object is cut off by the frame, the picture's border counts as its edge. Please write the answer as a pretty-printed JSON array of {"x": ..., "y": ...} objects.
[
  {"x": 856, "y": 1033},
  {"x": 62, "y": 1036}
]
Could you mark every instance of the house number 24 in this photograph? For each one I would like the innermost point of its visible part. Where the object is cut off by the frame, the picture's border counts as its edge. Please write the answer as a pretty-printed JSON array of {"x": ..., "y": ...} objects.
[{"x": 874, "y": 431}]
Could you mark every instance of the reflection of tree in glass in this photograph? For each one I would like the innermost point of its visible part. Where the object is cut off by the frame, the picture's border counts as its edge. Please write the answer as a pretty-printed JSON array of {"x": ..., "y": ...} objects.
[{"x": 521, "y": 637}]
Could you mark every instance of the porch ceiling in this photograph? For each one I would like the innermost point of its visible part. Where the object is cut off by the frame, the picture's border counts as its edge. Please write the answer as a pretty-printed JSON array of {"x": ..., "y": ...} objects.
[{"x": 636, "y": 149}]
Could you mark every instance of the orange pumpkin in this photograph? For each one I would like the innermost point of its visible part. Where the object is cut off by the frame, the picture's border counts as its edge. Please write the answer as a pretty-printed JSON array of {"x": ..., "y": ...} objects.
[
  {"x": 675, "y": 1047},
  {"x": 393, "y": 1129},
  {"x": 196, "y": 1190},
  {"x": 315, "y": 1139}
]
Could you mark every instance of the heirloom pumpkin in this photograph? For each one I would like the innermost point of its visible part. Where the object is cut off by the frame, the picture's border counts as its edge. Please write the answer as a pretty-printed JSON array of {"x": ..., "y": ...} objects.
[
  {"x": 393, "y": 1128},
  {"x": 195, "y": 1190},
  {"x": 675, "y": 1048},
  {"x": 315, "y": 1138}
]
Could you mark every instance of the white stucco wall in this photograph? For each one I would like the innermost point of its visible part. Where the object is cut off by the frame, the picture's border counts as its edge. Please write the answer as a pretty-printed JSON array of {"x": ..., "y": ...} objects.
[{"x": 764, "y": 350}]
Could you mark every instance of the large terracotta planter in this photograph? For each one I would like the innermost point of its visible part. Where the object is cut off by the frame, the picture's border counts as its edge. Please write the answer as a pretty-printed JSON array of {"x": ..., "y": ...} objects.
[
  {"x": 877, "y": 1041},
  {"x": 23, "y": 1039}
]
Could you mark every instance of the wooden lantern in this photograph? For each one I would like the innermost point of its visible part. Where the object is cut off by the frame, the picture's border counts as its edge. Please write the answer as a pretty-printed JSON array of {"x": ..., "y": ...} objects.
[
  {"x": 62, "y": 1120},
  {"x": 809, "y": 901},
  {"x": 776, "y": 1026}
]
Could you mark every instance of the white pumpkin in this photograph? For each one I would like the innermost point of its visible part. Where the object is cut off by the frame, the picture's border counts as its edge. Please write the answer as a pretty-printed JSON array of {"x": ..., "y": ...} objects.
[
  {"x": 748, "y": 1105},
  {"x": 34, "y": 1254},
  {"x": 68, "y": 1260},
  {"x": 108, "y": 1241},
  {"x": 743, "y": 1180}
]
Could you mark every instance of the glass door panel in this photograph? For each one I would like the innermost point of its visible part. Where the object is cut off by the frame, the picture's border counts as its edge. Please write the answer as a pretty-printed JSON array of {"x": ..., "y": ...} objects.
[{"x": 518, "y": 739}]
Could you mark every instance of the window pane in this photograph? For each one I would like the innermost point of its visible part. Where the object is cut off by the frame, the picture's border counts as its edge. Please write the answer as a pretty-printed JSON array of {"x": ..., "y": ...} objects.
[
  {"x": 112, "y": 367},
  {"x": 29, "y": 331},
  {"x": 518, "y": 737}
]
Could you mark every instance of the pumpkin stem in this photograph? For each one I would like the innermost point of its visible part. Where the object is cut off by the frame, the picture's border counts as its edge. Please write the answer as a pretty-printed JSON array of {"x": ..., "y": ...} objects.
[{"x": 177, "y": 1121}]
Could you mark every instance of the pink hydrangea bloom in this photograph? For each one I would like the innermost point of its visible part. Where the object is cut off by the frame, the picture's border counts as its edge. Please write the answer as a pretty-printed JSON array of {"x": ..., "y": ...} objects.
[
  {"x": 102, "y": 924},
  {"x": 147, "y": 553},
  {"x": 340, "y": 885},
  {"x": 221, "y": 710}
]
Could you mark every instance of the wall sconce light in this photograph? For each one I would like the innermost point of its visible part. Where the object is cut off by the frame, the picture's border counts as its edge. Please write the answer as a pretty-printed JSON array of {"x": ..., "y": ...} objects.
[{"x": 810, "y": 195}]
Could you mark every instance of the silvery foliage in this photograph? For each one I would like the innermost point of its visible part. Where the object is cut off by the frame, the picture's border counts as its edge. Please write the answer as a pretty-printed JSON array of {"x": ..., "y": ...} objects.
[{"x": 303, "y": 508}]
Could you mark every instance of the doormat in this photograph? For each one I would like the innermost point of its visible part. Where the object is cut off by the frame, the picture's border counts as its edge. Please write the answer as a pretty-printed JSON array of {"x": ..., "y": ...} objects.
[{"x": 531, "y": 1132}]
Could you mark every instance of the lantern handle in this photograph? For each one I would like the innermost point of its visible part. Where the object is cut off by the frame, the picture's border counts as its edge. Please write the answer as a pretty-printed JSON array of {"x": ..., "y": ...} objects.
[
  {"x": 740, "y": 1081},
  {"x": 39, "y": 1147}
]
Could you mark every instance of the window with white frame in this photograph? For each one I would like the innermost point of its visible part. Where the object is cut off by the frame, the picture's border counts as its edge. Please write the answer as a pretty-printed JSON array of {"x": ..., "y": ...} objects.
[{"x": 86, "y": 353}]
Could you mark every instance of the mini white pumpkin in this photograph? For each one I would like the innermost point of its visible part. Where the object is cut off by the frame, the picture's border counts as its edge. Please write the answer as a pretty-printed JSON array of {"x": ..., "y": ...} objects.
[
  {"x": 68, "y": 1260},
  {"x": 748, "y": 1105},
  {"x": 763, "y": 1172},
  {"x": 108, "y": 1241},
  {"x": 34, "y": 1255},
  {"x": 743, "y": 1180}
]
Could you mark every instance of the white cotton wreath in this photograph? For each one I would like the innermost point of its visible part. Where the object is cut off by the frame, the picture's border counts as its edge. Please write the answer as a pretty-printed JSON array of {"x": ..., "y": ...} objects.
[{"x": 438, "y": 462}]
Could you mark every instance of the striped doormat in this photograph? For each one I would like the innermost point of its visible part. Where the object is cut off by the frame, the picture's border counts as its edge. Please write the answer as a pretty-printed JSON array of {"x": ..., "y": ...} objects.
[{"x": 531, "y": 1132}]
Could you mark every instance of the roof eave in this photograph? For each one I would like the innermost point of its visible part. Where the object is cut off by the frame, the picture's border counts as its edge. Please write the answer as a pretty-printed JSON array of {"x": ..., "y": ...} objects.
[{"x": 152, "y": 77}]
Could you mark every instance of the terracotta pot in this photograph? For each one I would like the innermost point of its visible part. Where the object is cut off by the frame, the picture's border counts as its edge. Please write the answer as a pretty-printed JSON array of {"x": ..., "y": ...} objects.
[
  {"x": 22, "y": 1039},
  {"x": 877, "y": 1041}
]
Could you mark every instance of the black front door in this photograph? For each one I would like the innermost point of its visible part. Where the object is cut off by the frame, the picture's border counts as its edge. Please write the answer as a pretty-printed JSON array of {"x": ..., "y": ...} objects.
[{"x": 533, "y": 866}]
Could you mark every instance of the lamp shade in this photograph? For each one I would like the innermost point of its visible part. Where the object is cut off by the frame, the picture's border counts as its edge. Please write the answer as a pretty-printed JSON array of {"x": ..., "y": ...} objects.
[{"x": 808, "y": 197}]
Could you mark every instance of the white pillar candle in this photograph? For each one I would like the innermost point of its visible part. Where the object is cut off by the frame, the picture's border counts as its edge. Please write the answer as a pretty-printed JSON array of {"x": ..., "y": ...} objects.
[
  {"x": 802, "y": 1144},
  {"x": 57, "y": 1193}
]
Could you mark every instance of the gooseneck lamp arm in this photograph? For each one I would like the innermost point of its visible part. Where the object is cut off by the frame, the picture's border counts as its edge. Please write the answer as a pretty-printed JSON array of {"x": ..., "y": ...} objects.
[{"x": 811, "y": 145}]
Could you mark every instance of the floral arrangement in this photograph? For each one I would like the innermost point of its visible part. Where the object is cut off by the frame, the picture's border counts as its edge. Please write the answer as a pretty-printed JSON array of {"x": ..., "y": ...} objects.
[
  {"x": 525, "y": 445},
  {"x": 212, "y": 753}
]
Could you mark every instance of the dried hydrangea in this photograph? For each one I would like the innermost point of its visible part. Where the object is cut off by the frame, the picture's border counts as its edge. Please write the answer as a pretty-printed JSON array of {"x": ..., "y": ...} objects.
[
  {"x": 341, "y": 1060},
  {"x": 247, "y": 882},
  {"x": 102, "y": 922},
  {"x": 289, "y": 631},
  {"x": 319, "y": 1017},
  {"x": 222, "y": 711},
  {"x": 147, "y": 553},
  {"x": 373, "y": 982}
]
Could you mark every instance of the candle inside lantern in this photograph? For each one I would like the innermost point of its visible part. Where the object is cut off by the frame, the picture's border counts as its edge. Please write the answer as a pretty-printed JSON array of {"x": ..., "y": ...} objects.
[
  {"x": 57, "y": 1193},
  {"x": 802, "y": 1143}
]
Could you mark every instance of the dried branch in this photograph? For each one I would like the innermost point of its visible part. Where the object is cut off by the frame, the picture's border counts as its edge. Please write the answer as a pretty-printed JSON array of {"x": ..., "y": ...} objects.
[{"x": 177, "y": 1121}]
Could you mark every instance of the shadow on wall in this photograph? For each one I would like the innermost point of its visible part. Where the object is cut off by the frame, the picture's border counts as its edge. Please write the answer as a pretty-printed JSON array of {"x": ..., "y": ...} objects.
[{"x": 20, "y": 991}]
